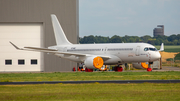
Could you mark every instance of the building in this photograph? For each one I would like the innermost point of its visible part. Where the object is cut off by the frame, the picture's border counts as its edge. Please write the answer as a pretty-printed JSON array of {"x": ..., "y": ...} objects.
[
  {"x": 159, "y": 30},
  {"x": 28, "y": 23}
]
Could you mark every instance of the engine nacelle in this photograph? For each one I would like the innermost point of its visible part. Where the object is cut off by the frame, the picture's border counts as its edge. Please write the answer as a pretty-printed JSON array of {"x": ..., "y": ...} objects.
[
  {"x": 140, "y": 65},
  {"x": 94, "y": 62}
]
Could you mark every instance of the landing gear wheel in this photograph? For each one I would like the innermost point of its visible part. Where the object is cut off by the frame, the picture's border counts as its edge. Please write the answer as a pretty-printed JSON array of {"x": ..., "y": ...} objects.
[
  {"x": 118, "y": 69},
  {"x": 149, "y": 69},
  {"x": 88, "y": 70}
]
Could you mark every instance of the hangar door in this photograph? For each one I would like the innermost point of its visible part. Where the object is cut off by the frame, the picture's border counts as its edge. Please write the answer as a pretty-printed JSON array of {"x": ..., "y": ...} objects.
[{"x": 21, "y": 34}]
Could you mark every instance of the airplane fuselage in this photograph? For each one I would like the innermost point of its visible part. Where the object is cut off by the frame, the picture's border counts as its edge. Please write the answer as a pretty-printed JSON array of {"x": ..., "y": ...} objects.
[{"x": 120, "y": 53}]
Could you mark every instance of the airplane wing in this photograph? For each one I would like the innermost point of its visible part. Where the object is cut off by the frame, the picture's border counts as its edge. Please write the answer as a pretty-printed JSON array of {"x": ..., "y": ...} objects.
[{"x": 46, "y": 50}]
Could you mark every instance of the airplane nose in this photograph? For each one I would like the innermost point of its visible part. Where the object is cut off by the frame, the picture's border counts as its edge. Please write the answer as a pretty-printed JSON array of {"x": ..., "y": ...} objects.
[
  {"x": 158, "y": 56},
  {"x": 155, "y": 56}
]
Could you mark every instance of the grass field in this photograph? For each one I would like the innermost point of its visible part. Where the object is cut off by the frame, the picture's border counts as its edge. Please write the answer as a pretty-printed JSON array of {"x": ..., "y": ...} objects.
[
  {"x": 170, "y": 48},
  {"x": 91, "y": 92},
  {"x": 77, "y": 76}
]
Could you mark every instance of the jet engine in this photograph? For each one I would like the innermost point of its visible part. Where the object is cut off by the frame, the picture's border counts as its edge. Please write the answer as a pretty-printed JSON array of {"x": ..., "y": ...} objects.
[
  {"x": 140, "y": 65},
  {"x": 94, "y": 62}
]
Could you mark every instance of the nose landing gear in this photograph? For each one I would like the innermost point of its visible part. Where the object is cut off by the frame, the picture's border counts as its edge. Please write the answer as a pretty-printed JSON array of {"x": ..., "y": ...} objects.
[{"x": 149, "y": 69}]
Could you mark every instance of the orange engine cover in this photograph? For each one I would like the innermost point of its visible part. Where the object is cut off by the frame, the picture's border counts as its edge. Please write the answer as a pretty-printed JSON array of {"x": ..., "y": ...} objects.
[
  {"x": 144, "y": 65},
  {"x": 94, "y": 62},
  {"x": 98, "y": 62},
  {"x": 140, "y": 65}
]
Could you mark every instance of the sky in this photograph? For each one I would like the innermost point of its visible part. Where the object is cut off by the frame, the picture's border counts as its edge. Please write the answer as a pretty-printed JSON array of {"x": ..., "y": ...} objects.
[{"x": 128, "y": 17}]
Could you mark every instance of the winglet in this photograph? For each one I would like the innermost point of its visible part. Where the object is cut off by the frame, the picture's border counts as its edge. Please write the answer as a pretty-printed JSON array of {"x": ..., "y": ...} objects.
[
  {"x": 15, "y": 46},
  {"x": 162, "y": 47}
]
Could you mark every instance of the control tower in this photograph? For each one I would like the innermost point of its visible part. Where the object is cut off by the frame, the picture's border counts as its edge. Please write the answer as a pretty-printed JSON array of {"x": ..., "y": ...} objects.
[{"x": 159, "y": 30}]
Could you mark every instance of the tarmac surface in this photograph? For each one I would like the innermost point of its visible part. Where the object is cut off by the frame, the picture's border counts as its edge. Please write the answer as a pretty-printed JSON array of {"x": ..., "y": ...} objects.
[
  {"x": 98, "y": 81},
  {"x": 166, "y": 68}
]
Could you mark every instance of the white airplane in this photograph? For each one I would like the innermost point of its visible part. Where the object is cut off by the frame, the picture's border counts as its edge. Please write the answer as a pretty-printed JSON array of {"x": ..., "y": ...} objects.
[{"x": 94, "y": 56}]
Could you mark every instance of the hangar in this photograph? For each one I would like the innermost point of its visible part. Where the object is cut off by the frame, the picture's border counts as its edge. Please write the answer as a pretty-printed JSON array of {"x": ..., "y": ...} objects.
[{"x": 28, "y": 23}]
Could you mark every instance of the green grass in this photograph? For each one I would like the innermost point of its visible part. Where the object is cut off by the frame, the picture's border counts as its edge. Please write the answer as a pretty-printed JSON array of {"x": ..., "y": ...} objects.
[
  {"x": 74, "y": 76},
  {"x": 177, "y": 57},
  {"x": 170, "y": 48},
  {"x": 91, "y": 92}
]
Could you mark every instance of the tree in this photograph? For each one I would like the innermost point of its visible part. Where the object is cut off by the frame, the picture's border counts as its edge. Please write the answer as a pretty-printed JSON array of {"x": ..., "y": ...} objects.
[
  {"x": 178, "y": 42},
  {"x": 151, "y": 42},
  {"x": 146, "y": 38},
  {"x": 157, "y": 42},
  {"x": 178, "y": 36},
  {"x": 172, "y": 38},
  {"x": 116, "y": 39},
  {"x": 175, "y": 42},
  {"x": 88, "y": 39},
  {"x": 100, "y": 39}
]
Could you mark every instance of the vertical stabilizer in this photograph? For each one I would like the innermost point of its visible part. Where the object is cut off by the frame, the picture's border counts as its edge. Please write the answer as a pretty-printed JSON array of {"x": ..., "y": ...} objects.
[{"x": 58, "y": 32}]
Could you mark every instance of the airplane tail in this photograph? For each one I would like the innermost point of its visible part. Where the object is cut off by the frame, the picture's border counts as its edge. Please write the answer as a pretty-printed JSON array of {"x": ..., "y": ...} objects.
[{"x": 58, "y": 32}]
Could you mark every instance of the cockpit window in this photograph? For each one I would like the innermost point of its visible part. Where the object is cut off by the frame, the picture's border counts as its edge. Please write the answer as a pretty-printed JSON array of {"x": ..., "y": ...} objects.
[
  {"x": 146, "y": 49},
  {"x": 151, "y": 49}
]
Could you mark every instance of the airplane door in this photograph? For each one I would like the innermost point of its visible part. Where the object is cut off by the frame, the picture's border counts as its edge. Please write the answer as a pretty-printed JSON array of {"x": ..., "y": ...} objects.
[{"x": 137, "y": 50}]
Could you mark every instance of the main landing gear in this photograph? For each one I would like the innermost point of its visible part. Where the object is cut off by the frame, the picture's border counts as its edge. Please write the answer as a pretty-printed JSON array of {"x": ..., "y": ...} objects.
[{"x": 118, "y": 68}]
